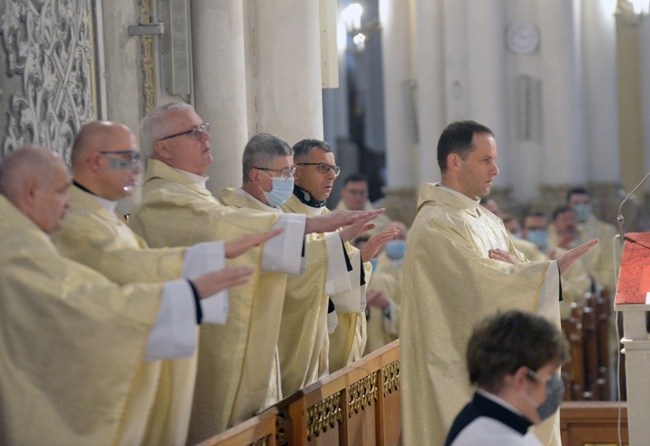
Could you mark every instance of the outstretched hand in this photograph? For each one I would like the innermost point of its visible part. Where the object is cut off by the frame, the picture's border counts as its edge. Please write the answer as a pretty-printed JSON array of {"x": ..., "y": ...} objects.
[
  {"x": 215, "y": 281},
  {"x": 335, "y": 220},
  {"x": 235, "y": 248},
  {"x": 504, "y": 256},
  {"x": 565, "y": 261},
  {"x": 375, "y": 242}
]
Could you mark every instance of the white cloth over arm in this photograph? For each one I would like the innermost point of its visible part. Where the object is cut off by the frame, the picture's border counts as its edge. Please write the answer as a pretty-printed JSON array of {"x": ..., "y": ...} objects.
[
  {"x": 173, "y": 334},
  {"x": 201, "y": 259},
  {"x": 338, "y": 279},
  {"x": 283, "y": 253},
  {"x": 353, "y": 301}
]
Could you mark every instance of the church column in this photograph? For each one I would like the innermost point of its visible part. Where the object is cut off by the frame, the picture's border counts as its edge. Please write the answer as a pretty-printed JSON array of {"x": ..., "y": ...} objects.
[
  {"x": 602, "y": 132},
  {"x": 564, "y": 160},
  {"x": 284, "y": 68},
  {"x": 399, "y": 105},
  {"x": 599, "y": 74},
  {"x": 644, "y": 61},
  {"x": 431, "y": 117},
  {"x": 486, "y": 88},
  {"x": 220, "y": 84}
]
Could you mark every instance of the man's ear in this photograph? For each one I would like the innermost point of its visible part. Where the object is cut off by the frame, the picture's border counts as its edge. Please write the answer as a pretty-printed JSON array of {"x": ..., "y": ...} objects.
[
  {"x": 453, "y": 161},
  {"x": 28, "y": 195},
  {"x": 94, "y": 161},
  {"x": 161, "y": 150}
]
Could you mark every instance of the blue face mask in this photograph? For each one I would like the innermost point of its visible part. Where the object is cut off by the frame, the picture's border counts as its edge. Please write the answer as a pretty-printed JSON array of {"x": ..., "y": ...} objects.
[
  {"x": 280, "y": 191},
  {"x": 554, "y": 395},
  {"x": 539, "y": 237},
  {"x": 583, "y": 211},
  {"x": 395, "y": 249}
]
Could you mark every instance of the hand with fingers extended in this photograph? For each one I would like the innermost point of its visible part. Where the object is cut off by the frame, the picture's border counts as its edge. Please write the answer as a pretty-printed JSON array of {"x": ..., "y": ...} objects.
[
  {"x": 375, "y": 242},
  {"x": 238, "y": 246},
  {"x": 565, "y": 261},
  {"x": 504, "y": 256},
  {"x": 375, "y": 298},
  {"x": 215, "y": 281},
  {"x": 335, "y": 220}
]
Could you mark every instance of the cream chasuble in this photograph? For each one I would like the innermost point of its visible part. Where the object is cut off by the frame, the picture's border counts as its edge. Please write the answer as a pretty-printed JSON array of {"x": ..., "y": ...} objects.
[
  {"x": 93, "y": 236},
  {"x": 347, "y": 342},
  {"x": 235, "y": 360},
  {"x": 449, "y": 285},
  {"x": 383, "y": 325},
  {"x": 71, "y": 344}
]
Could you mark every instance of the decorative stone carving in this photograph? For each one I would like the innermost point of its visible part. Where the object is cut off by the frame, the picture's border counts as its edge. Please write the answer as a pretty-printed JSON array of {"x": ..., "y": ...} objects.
[{"x": 49, "y": 44}]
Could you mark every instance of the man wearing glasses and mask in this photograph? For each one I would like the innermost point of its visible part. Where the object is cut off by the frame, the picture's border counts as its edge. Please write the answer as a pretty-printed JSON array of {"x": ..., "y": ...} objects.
[
  {"x": 106, "y": 162},
  {"x": 316, "y": 171},
  {"x": 268, "y": 173},
  {"x": 236, "y": 361}
]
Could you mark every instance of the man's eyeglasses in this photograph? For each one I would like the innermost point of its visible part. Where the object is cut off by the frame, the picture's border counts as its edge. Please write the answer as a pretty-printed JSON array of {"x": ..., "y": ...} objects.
[
  {"x": 323, "y": 168},
  {"x": 195, "y": 132},
  {"x": 124, "y": 159},
  {"x": 284, "y": 173}
]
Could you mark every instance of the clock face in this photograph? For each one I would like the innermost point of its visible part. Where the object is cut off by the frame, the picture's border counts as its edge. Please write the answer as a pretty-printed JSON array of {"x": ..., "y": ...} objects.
[{"x": 522, "y": 37}]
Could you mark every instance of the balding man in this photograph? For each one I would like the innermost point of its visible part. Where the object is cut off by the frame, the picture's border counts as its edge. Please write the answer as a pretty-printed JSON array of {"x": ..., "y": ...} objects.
[
  {"x": 236, "y": 361},
  {"x": 106, "y": 166},
  {"x": 72, "y": 341}
]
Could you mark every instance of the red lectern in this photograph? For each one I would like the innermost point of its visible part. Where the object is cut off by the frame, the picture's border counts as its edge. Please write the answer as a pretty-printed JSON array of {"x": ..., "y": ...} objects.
[{"x": 632, "y": 299}]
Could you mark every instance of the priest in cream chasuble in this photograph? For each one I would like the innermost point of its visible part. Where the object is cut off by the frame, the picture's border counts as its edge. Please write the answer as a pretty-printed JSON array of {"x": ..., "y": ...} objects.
[{"x": 460, "y": 267}]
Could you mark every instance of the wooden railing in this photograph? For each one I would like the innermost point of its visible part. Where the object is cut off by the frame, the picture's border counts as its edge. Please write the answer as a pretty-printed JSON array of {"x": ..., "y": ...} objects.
[
  {"x": 594, "y": 423},
  {"x": 357, "y": 405},
  {"x": 360, "y": 405}
]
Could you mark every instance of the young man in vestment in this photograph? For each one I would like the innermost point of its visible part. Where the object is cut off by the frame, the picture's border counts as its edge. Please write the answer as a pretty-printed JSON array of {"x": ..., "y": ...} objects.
[
  {"x": 513, "y": 360},
  {"x": 73, "y": 343},
  {"x": 460, "y": 267},
  {"x": 106, "y": 166},
  {"x": 316, "y": 171},
  {"x": 236, "y": 361}
]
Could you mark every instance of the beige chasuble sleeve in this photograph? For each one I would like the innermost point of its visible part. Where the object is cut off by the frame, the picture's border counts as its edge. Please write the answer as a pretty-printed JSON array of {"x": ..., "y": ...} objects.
[
  {"x": 71, "y": 344},
  {"x": 236, "y": 360},
  {"x": 449, "y": 285},
  {"x": 92, "y": 235}
]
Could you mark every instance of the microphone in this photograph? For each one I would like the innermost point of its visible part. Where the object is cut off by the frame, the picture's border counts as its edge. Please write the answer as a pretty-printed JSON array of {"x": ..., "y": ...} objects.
[{"x": 620, "y": 219}]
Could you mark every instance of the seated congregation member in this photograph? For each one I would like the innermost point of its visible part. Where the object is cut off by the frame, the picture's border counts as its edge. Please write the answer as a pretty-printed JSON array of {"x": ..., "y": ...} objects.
[
  {"x": 236, "y": 361},
  {"x": 267, "y": 183},
  {"x": 73, "y": 342},
  {"x": 316, "y": 171},
  {"x": 105, "y": 162},
  {"x": 513, "y": 359}
]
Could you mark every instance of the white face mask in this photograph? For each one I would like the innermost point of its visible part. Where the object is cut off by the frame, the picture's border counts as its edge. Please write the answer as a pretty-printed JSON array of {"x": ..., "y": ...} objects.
[{"x": 280, "y": 191}]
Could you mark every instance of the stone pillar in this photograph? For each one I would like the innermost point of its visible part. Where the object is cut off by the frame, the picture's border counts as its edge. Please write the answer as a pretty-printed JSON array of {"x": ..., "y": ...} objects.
[
  {"x": 601, "y": 110},
  {"x": 487, "y": 75},
  {"x": 644, "y": 61},
  {"x": 564, "y": 158},
  {"x": 399, "y": 102},
  {"x": 399, "y": 105},
  {"x": 599, "y": 76},
  {"x": 284, "y": 68},
  {"x": 220, "y": 85},
  {"x": 431, "y": 118}
]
